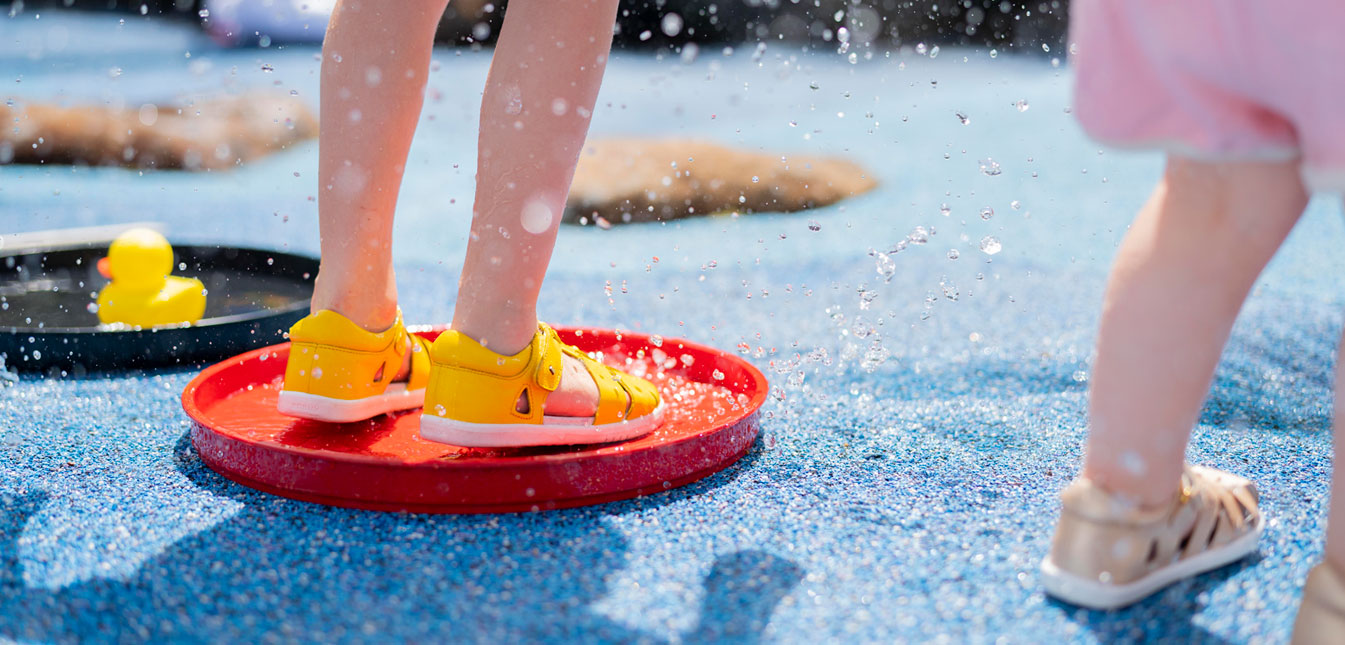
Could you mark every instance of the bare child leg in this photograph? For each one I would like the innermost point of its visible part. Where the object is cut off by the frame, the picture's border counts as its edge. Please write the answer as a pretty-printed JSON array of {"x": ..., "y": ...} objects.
[
  {"x": 375, "y": 60},
  {"x": 539, "y": 96},
  {"x": 352, "y": 358},
  {"x": 1138, "y": 519},
  {"x": 1335, "y": 527},
  {"x": 1321, "y": 613},
  {"x": 498, "y": 378},
  {"x": 1178, "y": 282}
]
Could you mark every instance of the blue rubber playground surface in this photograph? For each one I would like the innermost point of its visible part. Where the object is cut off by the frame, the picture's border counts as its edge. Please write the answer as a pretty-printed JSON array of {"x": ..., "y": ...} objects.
[{"x": 920, "y": 426}]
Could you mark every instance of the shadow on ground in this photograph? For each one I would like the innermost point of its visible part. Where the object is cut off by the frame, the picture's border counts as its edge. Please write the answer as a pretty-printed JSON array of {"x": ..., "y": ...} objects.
[
  {"x": 1181, "y": 603},
  {"x": 269, "y": 568}
]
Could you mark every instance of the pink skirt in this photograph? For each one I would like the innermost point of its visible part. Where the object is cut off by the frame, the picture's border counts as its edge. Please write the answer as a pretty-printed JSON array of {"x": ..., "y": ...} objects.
[{"x": 1220, "y": 80}]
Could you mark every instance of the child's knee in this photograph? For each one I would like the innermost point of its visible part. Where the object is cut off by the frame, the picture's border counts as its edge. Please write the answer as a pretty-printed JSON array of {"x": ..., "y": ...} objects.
[{"x": 1234, "y": 199}]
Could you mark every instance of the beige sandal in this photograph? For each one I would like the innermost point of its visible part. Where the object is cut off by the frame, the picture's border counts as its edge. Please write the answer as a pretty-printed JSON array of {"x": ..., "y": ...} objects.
[
  {"x": 1108, "y": 554},
  {"x": 1321, "y": 615}
]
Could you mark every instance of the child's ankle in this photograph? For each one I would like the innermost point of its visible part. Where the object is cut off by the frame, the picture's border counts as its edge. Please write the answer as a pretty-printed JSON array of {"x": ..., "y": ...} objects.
[
  {"x": 503, "y": 339},
  {"x": 369, "y": 316},
  {"x": 1139, "y": 497},
  {"x": 362, "y": 306}
]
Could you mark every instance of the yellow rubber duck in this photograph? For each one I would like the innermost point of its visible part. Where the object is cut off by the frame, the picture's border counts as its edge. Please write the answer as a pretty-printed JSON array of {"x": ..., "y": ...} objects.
[{"x": 142, "y": 293}]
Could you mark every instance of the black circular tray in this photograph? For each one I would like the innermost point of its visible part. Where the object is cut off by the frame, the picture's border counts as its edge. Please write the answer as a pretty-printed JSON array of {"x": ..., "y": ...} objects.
[{"x": 47, "y": 323}]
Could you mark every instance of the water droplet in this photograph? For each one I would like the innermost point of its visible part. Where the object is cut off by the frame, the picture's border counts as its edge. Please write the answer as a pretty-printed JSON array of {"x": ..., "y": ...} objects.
[
  {"x": 813, "y": 85},
  {"x": 934, "y": 52},
  {"x": 945, "y": 210},
  {"x": 92, "y": 307},
  {"x": 656, "y": 340},
  {"x": 1021, "y": 104},
  {"x": 876, "y": 355},
  {"x": 646, "y": 35},
  {"x": 990, "y": 245},
  {"x": 866, "y": 298},
  {"x": 987, "y": 213},
  {"x": 919, "y": 236},
  {"x": 1132, "y": 462},
  {"x": 953, "y": 254},
  {"x": 671, "y": 24},
  {"x": 317, "y": 372},
  {"x": 204, "y": 13},
  {"x": 814, "y": 226},
  {"x": 885, "y": 266},
  {"x": 990, "y": 168},
  {"x": 1015, "y": 204},
  {"x": 267, "y": 67},
  {"x": 949, "y": 289},
  {"x": 480, "y": 31},
  {"x": 689, "y": 53},
  {"x": 964, "y": 119},
  {"x": 537, "y": 217},
  {"x": 440, "y": 410},
  {"x": 718, "y": 375},
  {"x": 921, "y": 49}
]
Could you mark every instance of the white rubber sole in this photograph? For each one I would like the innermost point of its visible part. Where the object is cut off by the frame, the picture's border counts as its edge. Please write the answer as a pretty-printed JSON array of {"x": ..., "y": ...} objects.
[
  {"x": 322, "y": 408},
  {"x": 1099, "y": 595},
  {"x": 553, "y": 431}
]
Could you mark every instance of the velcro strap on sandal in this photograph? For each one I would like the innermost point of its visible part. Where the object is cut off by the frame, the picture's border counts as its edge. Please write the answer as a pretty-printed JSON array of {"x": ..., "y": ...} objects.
[
  {"x": 420, "y": 363},
  {"x": 549, "y": 352}
]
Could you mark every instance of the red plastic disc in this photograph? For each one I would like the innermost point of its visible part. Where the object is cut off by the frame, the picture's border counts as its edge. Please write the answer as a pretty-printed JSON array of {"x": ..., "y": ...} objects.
[{"x": 383, "y": 464}]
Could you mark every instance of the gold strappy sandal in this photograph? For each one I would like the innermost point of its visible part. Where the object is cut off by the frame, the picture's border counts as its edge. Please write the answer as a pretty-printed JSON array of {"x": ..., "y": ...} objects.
[{"x": 1107, "y": 554}]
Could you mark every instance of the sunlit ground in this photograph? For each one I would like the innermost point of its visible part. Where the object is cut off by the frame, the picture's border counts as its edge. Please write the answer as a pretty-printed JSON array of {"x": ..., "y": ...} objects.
[{"x": 904, "y": 487}]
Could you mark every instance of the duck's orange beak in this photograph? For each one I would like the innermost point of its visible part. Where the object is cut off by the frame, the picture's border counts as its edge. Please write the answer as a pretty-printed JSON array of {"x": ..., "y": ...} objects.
[{"x": 105, "y": 268}]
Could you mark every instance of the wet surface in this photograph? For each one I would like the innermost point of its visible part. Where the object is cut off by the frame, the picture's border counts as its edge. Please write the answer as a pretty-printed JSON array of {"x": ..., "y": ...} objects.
[{"x": 905, "y": 485}]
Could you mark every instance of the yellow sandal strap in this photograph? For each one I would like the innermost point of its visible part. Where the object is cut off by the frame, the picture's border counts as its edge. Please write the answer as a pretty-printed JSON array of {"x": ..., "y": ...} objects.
[
  {"x": 474, "y": 384},
  {"x": 548, "y": 354},
  {"x": 420, "y": 362},
  {"x": 620, "y": 396}
]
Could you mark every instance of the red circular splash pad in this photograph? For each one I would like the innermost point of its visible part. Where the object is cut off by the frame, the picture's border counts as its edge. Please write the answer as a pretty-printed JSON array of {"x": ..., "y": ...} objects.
[{"x": 383, "y": 464}]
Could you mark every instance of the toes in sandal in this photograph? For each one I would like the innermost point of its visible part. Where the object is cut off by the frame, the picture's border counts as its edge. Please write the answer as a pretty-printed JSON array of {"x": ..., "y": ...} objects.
[
  {"x": 1321, "y": 615},
  {"x": 340, "y": 373},
  {"x": 477, "y": 398},
  {"x": 1108, "y": 554}
]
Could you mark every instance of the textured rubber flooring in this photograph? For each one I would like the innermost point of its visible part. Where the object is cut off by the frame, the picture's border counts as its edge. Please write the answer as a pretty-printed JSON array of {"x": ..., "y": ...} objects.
[{"x": 903, "y": 489}]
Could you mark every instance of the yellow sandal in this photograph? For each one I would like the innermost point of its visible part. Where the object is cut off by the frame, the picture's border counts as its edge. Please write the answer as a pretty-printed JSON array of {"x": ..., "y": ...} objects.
[
  {"x": 474, "y": 395},
  {"x": 340, "y": 373}
]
